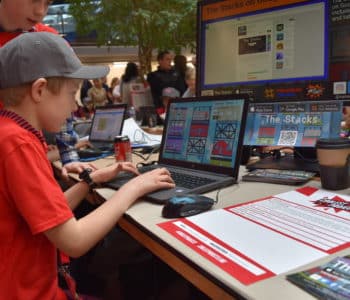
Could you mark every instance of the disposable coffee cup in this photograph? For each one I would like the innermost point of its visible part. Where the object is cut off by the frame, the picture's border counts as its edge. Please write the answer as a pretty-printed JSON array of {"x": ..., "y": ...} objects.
[{"x": 334, "y": 160}]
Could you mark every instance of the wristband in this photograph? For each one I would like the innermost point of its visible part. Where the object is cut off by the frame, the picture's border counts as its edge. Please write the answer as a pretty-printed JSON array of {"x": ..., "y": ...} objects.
[{"x": 85, "y": 176}]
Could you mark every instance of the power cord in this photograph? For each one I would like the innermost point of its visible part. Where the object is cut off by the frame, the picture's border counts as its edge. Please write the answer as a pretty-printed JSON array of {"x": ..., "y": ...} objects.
[
  {"x": 277, "y": 154},
  {"x": 299, "y": 155},
  {"x": 217, "y": 196},
  {"x": 140, "y": 153}
]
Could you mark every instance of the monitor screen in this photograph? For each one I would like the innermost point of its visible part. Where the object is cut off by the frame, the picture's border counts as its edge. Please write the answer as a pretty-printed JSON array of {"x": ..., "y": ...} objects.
[
  {"x": 292, "y": 124},
  {"x": 107, "y": 123},
  {"x": 257, "y": 46},
  {"x": 205, "y": 131}
]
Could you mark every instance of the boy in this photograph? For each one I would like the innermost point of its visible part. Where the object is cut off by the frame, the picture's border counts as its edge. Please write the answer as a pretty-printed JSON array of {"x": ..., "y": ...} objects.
[{"x": 38, "y": 83}]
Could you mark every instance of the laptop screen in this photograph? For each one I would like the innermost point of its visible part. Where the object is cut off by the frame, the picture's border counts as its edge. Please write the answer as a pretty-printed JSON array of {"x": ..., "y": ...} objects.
[
  {"x": 205, "y": 132},
  {"x": 292, "y": 123},
  {"x": 107, "y": 123}
]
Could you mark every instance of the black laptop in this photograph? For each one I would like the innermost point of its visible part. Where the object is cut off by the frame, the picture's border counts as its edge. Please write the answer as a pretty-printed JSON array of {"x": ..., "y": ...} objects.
[
  {"x": 201, "y": 145},
  {"x": 106, "y": 124}
]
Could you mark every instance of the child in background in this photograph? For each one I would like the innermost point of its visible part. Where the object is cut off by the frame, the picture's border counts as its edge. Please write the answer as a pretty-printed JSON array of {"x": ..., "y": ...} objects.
[
  {"x": 190, "y": 78},
  {"x": 168, "y": 93},
  {"x": 38, "y": 213}
]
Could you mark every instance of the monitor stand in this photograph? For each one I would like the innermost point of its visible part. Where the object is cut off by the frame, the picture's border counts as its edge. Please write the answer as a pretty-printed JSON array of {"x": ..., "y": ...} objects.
[{"x": 302, "y": 159}]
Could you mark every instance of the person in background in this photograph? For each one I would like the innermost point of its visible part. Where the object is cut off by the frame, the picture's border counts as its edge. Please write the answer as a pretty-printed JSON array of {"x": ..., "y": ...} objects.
[
  {"x": 97, "y": 93},
  {"x": 190, "y": 78},
  {"x": 132, "y": 82},
  {"x": 116, "y": 93},
  {"x": 16, "y": 18},
  {"x": 106, "y": 87},
  {"x": 180, "y": 65},
  {"x": 114, "y": 83},
  {"x": 168, "y": 93},
  {"x": 345, "y": 123},
  {"x": 42, "y": 221},
  {"x": 85, "y": 86},
  {"x": 164, "y": 76},
  {"x": 130, "y": 77}
]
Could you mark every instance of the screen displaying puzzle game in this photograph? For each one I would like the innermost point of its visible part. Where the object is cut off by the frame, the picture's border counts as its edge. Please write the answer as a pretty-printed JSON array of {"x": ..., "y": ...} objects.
[{"x": 204, "y": 131}]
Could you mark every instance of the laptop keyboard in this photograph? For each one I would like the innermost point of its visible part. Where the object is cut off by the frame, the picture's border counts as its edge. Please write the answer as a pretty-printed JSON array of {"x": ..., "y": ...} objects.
[
  {"x": 184, "y": 180},
  {"x": 189, "y": 181}
]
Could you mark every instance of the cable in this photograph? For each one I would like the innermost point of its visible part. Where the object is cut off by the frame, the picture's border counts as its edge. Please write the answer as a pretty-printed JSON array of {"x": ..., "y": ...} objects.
[
  {"x": 276, "y": 153},
  {"x": 304, "y": 158},
  {"x": 146, "y": 157},
  {"x": 140, "y": 137},
  {"x": 217, "y": 196}
]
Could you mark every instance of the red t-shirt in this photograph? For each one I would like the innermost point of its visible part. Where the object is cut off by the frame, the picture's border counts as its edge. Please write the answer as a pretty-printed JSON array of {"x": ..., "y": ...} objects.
[
  {"x": 8, "y": 36},
  {"x": 31, "y": 202}
]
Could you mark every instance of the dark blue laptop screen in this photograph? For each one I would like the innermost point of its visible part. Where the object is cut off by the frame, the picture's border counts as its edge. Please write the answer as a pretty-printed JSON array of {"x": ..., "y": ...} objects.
[
  {"x": 294, "y": 124},
  {"x": 205, "y": 132}
]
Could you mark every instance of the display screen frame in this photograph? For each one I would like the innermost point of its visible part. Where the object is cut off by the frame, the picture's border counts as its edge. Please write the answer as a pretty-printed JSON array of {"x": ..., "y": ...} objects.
[{"x": 214, "y": 12}]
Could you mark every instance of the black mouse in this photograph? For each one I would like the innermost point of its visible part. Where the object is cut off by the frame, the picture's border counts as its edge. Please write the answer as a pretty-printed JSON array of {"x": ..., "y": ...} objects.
[
  {"x": 186, "y": 205},
  {"x": 89, "y": 152}
]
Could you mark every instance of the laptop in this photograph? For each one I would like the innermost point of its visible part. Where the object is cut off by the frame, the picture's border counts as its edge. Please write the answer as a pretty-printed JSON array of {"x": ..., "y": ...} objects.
[
  {"x": 202, "y": 141},
  {"x": 107, "y": 123}
]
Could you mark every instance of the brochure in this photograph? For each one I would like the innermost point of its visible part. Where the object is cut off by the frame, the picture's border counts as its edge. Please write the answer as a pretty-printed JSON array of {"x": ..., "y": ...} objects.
[{"x": 329, "y": 281}]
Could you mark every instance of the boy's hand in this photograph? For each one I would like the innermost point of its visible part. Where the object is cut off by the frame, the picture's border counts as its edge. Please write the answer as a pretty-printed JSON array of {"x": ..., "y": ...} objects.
[
  {"x": 150, "y": 181},
  {"x": 76, "y": 167},
  {"x": 107, "y": 173}
]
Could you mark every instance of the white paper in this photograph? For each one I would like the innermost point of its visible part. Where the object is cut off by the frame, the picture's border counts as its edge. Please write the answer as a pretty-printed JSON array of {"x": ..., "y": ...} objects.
[
  {"x": 139, "y": 137},
  {"x": 281, "y": 232}
]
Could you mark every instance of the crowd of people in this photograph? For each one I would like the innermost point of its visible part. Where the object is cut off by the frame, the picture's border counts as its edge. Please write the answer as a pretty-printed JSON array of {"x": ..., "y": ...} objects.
[{"x": 173, "y": 78}]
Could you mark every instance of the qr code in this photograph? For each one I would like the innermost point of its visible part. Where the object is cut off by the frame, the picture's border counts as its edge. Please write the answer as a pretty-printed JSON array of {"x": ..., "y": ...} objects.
[{"x": 287, "y": 138}]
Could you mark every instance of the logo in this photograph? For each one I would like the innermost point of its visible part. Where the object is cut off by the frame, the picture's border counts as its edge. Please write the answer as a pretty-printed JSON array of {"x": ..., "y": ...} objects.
[
  {"x": 337, "y": 203},
  {"x": 269, "y": 93},
  {"x": 314, "y": 91}
]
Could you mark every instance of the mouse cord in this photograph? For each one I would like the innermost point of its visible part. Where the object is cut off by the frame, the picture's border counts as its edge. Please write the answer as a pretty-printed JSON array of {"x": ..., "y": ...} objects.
[{"x": 217, "y": 196}]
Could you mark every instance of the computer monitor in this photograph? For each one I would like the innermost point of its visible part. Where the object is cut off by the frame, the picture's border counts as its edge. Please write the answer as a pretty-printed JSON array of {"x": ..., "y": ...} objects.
[
  {"x": 293, "y": 124},
  {"x": 251, "y": 43}
]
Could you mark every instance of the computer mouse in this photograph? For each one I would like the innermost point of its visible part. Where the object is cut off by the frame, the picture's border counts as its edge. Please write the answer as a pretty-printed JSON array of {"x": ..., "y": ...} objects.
[
  {"x": 186, "y": 205},
  {"x": 89, "y": 152}
]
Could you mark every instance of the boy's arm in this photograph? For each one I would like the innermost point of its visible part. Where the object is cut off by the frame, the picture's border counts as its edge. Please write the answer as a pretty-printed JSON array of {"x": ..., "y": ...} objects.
[
  {"x": 77, "y": 192},
  {"x": 75, "y": 237}
]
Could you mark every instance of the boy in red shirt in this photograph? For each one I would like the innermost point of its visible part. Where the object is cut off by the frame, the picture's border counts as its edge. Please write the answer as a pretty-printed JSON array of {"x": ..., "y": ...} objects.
[{"x": 35, "y": 215}]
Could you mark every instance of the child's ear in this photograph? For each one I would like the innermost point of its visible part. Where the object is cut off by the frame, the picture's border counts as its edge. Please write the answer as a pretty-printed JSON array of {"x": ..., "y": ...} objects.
[{"x": 39, "y": 87}]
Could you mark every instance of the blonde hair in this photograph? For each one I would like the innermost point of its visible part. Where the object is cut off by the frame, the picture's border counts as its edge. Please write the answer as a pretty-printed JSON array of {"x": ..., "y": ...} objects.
[
  {"x": 190, "y": 74},
  {"x": 14, "y": 95}
]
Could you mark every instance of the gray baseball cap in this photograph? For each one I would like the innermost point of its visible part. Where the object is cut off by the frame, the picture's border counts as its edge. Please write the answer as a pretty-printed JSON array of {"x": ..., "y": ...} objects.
[{"x": 35, "y": 55}]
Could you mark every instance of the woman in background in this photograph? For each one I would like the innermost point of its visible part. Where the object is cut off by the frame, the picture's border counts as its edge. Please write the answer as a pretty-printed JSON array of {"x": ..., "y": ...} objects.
[
  {"x": 132, "y": 82},
  {"x": 180, "y": 65}
]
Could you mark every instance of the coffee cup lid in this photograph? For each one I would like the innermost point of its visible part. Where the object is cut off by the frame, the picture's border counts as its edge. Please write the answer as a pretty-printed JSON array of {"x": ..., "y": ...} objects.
[{"x": 335, "y": 143}]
